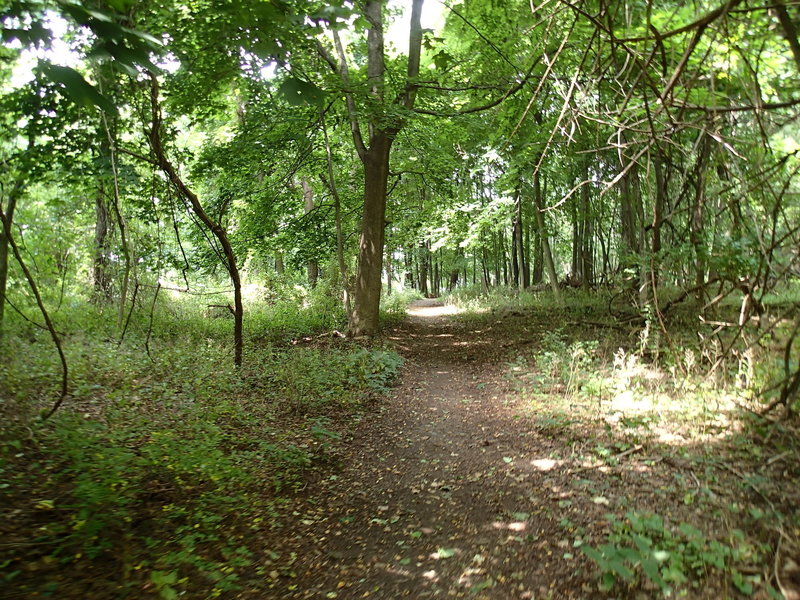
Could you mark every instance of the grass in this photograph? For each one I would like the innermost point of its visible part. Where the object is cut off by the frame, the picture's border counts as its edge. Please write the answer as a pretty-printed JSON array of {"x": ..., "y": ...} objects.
[
  {"x": 705, "y": 503},
  {"x": 157, "y": 474}
]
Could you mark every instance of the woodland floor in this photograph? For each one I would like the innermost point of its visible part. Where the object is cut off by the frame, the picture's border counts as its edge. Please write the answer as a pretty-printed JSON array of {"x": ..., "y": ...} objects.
[{"x": 458, "y": 486}]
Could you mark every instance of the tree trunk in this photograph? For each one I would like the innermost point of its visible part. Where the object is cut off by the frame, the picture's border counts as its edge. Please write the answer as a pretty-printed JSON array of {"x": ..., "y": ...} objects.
[
  {"x": 374, "y": 155},
  {"x": 496, "y": 256},
  {"x": 658, "y": 212},
  {"x": 422, "y": 269},
  {"x": 696, "y": 222},
  {"x": 408, "y": 276},
  {"x": 521, "y": 276},
  {"x": 308, "y": 207},
  {"x": 8, "y": 219},
  {"x": 538, "y": 257},
  {"x": 587, "y": 237},
  {"x": 215, "y": 228},
  {"x": 526, "y": 259},
  {"x": 100, "y": 276},
  {"x": 503, "y": 260},
  {"x": 389, "y": 273},
  {"x": 367, "y": 293},
  {"x": 548, "y": 256}
]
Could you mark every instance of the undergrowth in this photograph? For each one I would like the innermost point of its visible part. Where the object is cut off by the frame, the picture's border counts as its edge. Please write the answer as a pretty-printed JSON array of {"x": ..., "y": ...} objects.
[
  {"x": 159, "y": 471},
  {"x": 707, "y": 501}
]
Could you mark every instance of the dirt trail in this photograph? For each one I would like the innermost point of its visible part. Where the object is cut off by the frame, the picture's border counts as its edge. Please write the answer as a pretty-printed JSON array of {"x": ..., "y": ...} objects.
[{"x": 438, "y": 494}]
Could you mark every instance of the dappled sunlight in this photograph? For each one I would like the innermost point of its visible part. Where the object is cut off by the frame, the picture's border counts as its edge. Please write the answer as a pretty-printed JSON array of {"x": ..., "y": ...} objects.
[
  {"x": 431, "y": 309},
  {"x": 546, "y": 464},
  {"x": 509, "y": 525}
]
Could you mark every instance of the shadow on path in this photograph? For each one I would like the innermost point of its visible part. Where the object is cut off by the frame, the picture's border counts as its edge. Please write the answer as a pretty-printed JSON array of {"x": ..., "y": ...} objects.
[{"x": 438, "y": 494}]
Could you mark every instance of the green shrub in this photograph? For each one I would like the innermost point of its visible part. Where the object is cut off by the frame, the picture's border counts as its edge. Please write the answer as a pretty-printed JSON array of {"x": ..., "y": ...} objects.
[{"x": 643, "y": 545}]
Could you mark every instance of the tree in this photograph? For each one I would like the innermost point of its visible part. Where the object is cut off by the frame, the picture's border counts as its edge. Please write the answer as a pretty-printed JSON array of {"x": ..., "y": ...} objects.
[{"x": 373, "y": 143}]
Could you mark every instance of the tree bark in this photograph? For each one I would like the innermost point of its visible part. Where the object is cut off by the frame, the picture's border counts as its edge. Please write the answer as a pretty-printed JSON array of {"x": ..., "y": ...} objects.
[
  {"x": 375, "y": 152},
  {"x": 548, "y": 255},
  {"x": 422, "y": 269},
  {"x": 367, "y": 294},
  {"x": 521, "y": 273},
  {"x": 587, "y": 236},
  {"x": 312, "y": 267},
  {"x": 100, "y": 276},
  {"x": 7, "y": 215},
  {"x": 229, "y": 258}
]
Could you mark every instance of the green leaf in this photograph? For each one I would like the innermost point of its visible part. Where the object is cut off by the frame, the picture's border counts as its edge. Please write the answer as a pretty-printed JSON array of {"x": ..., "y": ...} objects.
[
  {"x": 620, "y": 569},
  {"x": 442, "y": 60},
  {"x": 594, "y": 555},
  {"x": 650, "y": 568},
  {"x": 297, "y": 92},
  {"x": 168, "y": 593},
  {"x": 76, "y": 86},
  {"x": 162, "y": 578}
]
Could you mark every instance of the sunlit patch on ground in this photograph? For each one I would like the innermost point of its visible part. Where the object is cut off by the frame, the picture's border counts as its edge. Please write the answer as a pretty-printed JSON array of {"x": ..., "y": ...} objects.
[{"x": 431, "y": 309}]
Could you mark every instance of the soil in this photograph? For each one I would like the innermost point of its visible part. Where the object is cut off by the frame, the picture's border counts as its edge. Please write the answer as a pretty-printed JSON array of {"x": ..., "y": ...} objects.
[
  {"x": 453, "y": 488},
  {"x": 425, "y": 504}
]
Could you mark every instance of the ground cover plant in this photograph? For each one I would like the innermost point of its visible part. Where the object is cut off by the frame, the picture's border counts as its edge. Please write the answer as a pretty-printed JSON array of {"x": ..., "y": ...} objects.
[
  {"x": 716, "y": 505},
  {"x": 160, "y": 472}
]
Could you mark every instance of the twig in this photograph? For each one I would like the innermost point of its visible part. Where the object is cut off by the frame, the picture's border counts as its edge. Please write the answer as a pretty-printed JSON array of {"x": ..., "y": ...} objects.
[
  {"x": 150, "y": 324},
  {"x": 750, "y": 484},
  {"x": 130, "y": 312},
  {"x": 53, "y": 334},
  {"x": 633, "y": 450},
  {"x": 228, "y": 306}
]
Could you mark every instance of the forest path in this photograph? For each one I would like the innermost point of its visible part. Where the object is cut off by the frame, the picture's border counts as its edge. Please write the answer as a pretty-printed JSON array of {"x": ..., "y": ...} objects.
[{"x": 439, "y": 494}]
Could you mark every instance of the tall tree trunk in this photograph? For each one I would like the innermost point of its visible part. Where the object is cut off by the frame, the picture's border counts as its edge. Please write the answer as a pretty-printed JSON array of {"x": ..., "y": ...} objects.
[
  {"x": 496, "y": 256},
  {"x": 7, "y": 214},
  {"x": 389, "y": 271},
  {"x": 522, "y": 276},
  {"x": 374, "y": 151},
  {"x": 100, "y": 276},
  {"x": 422, "y": 269},
  {"x": 486, "y": 279},
  {"x": 587, "y": 237},
  {"x": 538, "y": 257},
  {"x": 408, "y": 275},
  {"x": 629, "y": 196},
  {"x": 658, "y": 215},
  {"x": 108, "y": 149},
  {"x": 515, "y": 275},
  {"x": 503, "y": 259},
  {"x": 696, "y": 221},
  {"x": 548, "y": 255},
  {"x": 576, "y": 237},
  {"x": 312, "y": 267},
  {"x": 526, "y": 258},
  {"x": 280, "y": 269}
]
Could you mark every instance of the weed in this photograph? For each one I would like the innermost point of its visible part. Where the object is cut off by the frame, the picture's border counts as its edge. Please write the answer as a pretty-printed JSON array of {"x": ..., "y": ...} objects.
[{"x": 643, "y": 545}]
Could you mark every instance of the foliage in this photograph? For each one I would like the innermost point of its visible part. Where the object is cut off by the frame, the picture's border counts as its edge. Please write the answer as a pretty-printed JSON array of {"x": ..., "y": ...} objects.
[
  {"x": 643, "y": 545},
  {"x": 162, "y": 466}
]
